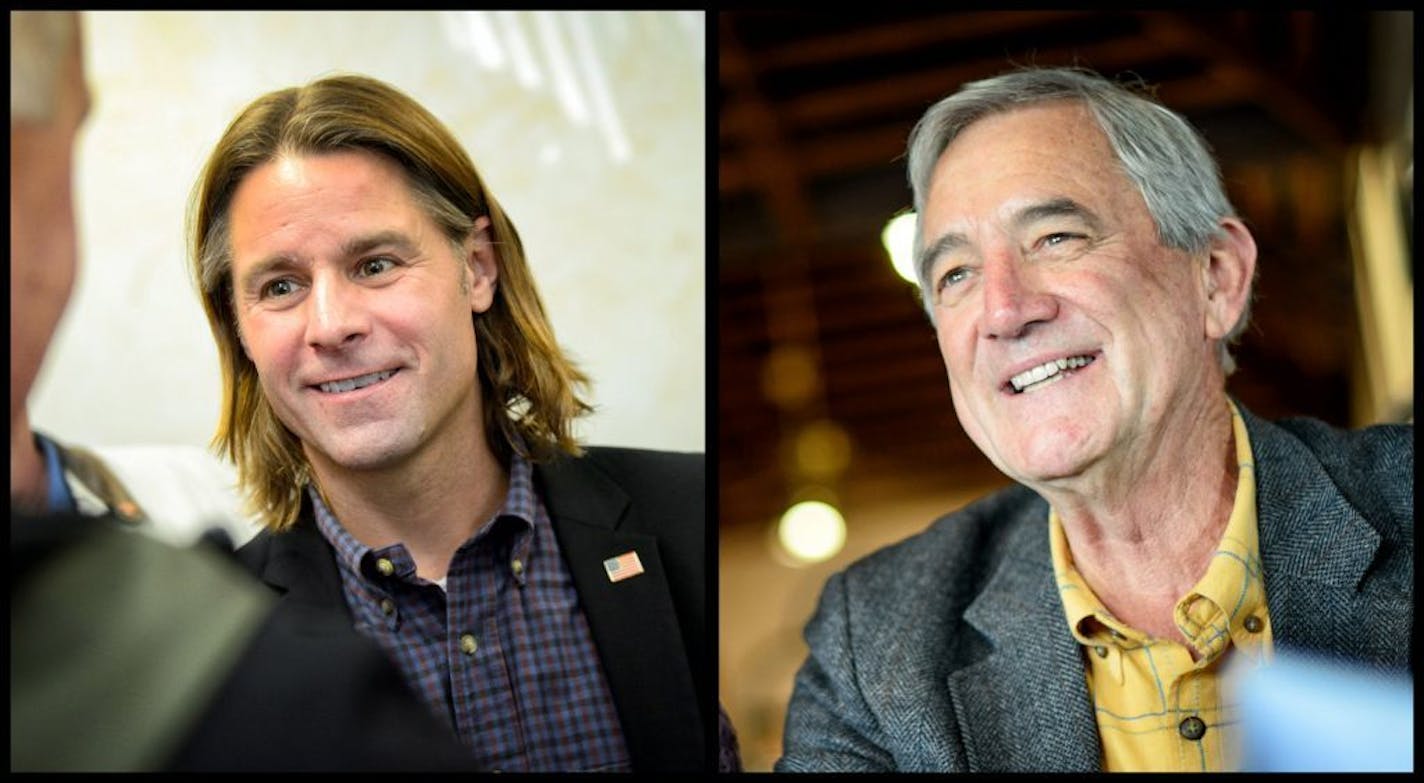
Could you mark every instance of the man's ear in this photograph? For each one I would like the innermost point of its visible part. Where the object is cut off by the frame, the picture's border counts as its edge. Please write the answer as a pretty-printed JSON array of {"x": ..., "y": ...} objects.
[
  {"x": 481, "y": 266},
  {"x": 1226, "y": 275}
]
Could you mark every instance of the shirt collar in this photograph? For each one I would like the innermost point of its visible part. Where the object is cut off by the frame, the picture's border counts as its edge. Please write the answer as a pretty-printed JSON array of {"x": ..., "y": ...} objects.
[
  {"x": 520, "y": 503},
  {"x": 1221, "y": 585},
  {"x": 1233, "y": 585}
]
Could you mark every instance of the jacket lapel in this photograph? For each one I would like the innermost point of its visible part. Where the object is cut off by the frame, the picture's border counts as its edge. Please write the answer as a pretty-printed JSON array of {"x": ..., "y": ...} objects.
[
  {"x": 299, "y": 563},
  {"x": 633, "y": 620},
  {"x": 1316, "y": 548},
  {"x": 1025, "y": 706}
]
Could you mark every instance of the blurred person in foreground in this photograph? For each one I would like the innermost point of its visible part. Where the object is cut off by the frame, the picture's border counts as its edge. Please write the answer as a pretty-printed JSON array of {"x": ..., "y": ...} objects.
[
  {"x": 1084, "y": 274},
  {"x": 127, "y": 654},
  {"x": 401, "y": 418}
]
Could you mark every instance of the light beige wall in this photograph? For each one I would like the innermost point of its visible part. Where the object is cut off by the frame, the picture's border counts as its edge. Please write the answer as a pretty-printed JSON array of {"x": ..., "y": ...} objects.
[{"x": 589, "y": 127}]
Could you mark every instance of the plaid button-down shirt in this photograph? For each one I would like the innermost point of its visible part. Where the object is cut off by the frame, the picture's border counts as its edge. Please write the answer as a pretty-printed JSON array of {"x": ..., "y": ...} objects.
[{"x": 503, "y": 651}]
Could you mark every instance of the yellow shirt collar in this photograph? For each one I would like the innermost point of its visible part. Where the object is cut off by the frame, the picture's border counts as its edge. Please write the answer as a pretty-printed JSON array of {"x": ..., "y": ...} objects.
[{"x": 1219, "y": 597}]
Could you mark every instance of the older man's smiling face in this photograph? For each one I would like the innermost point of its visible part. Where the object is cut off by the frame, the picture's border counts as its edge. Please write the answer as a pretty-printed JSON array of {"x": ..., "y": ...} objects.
[{"x": 1068, "y": 331}]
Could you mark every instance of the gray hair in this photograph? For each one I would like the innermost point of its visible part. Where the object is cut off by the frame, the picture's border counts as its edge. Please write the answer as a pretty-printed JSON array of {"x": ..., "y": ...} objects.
[
  {"x": 39, "y": 44},
  {"x": 1159, "y": 151}
]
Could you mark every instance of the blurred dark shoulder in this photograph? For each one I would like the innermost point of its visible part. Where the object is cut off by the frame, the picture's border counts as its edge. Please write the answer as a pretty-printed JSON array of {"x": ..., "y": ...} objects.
[{"x": 187, "y": 663}]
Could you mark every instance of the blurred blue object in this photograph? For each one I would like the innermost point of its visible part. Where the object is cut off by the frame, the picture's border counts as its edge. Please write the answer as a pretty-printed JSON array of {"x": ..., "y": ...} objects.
[{"x": 1304, "y": 714}]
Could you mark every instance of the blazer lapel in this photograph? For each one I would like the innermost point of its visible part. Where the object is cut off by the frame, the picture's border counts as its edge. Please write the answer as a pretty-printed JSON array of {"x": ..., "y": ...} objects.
[
  {"x": 299, "y": 563},
  {"x": 1316, "y": 548},
  {"x": 1025, "y": 706},
  {"x": 633, "y": 620}
]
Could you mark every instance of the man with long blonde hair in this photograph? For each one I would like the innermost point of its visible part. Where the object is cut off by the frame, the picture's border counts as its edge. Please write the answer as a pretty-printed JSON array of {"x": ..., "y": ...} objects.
[
  {"x": 127, "y": 653},
  {"x": 400, "y": 416}
]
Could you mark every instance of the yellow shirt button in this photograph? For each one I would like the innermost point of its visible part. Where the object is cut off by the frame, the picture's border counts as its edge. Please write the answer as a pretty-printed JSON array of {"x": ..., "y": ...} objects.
[
  {"x": 468, "y": 645},
  {"x": 1253, "y": 624},
  {"x": 1101, "y": 651},
  {"x": 385, "y": 566},
  {"x": 1192, "y": 728}
]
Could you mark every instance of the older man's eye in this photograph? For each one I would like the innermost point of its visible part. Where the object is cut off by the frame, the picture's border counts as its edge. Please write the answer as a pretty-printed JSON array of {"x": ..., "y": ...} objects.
[
  {"x": 1058, "y": 238},
  {"x": 953, "y": 277}
]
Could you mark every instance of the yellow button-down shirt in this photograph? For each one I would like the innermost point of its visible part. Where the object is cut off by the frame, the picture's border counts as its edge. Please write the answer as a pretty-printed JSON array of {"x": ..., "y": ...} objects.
[{"x": 1157, "y": 709}]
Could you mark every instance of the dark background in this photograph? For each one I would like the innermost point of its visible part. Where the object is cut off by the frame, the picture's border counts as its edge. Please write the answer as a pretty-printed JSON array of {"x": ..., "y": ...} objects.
[{"x": 814, "y": 109}]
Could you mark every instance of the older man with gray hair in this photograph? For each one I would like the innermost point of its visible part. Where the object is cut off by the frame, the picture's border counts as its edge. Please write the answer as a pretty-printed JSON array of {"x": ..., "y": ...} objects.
[{"x": 1084, "y": 273}]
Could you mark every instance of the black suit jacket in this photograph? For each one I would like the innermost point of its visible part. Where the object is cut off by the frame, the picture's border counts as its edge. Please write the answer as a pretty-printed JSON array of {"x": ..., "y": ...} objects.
[
  {"x": 651, "y": 630},
  {"x": 133, "y": 655}
]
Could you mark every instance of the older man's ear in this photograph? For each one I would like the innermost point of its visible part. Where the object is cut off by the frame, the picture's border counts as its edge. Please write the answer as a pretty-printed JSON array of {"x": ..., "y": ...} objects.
[{"x": 1227, "y": 273}]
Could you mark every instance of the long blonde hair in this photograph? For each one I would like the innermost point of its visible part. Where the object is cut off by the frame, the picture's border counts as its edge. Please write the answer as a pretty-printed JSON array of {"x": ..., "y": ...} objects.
[{"x": 528, "y": 386}]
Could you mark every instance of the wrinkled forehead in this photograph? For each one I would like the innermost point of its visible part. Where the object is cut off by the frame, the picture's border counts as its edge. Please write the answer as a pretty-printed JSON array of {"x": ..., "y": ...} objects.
[
  {"x": 1037, "y": 152},
  {"x": 1046, "y": 132}
]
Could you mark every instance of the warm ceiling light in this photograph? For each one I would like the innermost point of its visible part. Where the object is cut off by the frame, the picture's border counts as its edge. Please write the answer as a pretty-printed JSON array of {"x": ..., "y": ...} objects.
[
  {"x": 898, "y": 237},
  {"x": 812, "y": 531}
]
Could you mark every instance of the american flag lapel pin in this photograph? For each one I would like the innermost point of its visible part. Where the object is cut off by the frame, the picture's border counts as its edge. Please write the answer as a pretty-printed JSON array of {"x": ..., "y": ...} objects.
[{"x": 622, "y": 567}]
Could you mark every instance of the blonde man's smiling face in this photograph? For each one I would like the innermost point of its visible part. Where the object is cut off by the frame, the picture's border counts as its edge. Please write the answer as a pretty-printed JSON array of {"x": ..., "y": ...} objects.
[{"x": 356, "y": 309}]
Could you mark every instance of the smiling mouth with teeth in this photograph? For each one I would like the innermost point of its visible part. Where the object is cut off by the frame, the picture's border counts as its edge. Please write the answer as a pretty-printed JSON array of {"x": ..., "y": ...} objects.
[
  {"x": 1046, "y": 373},
  {"x": 359, "y": 382}
]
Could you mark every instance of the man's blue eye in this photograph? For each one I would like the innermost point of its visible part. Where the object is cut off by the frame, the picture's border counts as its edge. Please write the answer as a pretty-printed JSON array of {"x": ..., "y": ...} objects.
[
  {"x": 1058, "y": 238},
  {"x": 277, "y": 288},
  {"x": 953, "y": 276}
]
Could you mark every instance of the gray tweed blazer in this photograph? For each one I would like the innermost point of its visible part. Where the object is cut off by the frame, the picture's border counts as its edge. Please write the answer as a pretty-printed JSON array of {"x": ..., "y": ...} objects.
[{"x": 949, "y": 651}]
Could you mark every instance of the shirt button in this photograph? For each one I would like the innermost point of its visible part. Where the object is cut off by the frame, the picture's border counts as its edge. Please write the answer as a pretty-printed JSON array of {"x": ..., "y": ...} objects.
[
  {"x": 517, "y": 567},
  {"x": 1116, "y": 634},
  {"x": 1101, "y": 651},
  {"x": 468, "y": 644},
  {"x": 385, "y": 566},
  {"x": 1192, "y": 728},
  {"x": 1253, "y": 624},
  {"x": 388, "y": 606}
]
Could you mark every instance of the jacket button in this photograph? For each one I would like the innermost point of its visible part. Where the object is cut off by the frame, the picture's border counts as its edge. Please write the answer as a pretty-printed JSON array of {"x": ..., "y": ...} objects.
[
  {"x": 385, "y": 566},
  {"x": 468, "y": 644},
  {"x": 1192, "y": 728},
  {"x": 1253, "y": 624}
]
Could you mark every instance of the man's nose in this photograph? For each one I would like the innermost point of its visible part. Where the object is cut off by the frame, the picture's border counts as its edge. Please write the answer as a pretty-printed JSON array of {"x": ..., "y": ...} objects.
[
  {"x": 1014, "y": 298},
  {"x": 336, "y": 315}
]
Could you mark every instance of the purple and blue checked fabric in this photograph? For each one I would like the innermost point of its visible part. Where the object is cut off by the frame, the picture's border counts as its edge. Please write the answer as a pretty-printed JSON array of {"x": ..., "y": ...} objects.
[{"x": 504, "y": 651}]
